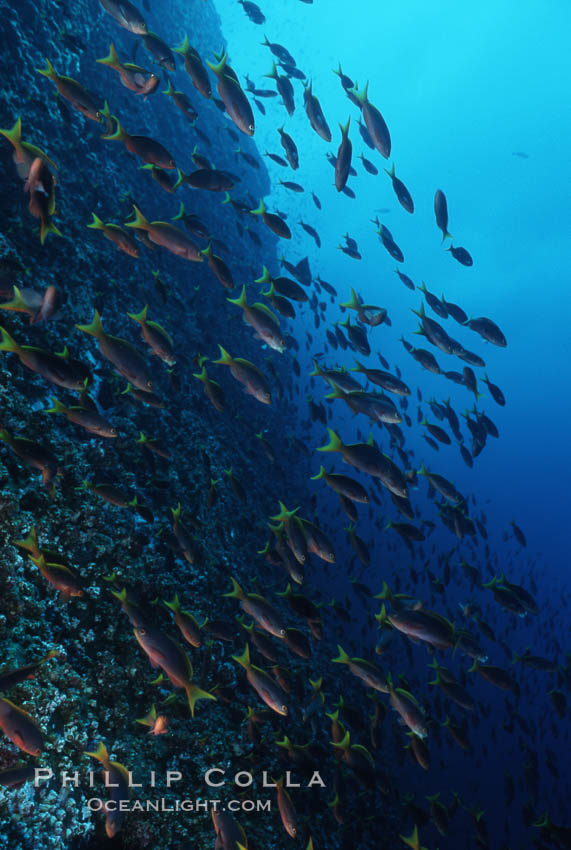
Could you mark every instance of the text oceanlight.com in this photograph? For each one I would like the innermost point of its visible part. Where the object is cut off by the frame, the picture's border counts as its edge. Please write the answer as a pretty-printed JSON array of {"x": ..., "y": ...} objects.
[{"x": 95, "y": 804}]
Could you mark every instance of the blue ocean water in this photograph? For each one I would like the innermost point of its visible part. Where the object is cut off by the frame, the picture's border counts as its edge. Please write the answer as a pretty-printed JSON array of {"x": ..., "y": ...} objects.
[{"x": 474, "y": 99}]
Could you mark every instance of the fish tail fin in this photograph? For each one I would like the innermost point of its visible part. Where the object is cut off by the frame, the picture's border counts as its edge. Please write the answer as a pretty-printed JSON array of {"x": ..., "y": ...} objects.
[
  {"x": 184, "y": 48},
  {"x": 194, "y": 693},
  {"x": 14, "y": 135},
  {"x": 94, "y": 328},
  {"x": 174, "y": 605},
  {"x": 227, "y": 198},
  {"x": 119, "y": 135},
  {"x": 273, "y": 75},
  {"x": 202, "y": 375},
  {"x": 336, "y": 392},
  {"x": 260, "y": 210},
  {"x": 47, "y": 227},
  {"x": 96, "y": 223},
  {"x": 265, "y": 278},
  {"x": 317, "y": 371},
  {"x": 244, "y": 659},
  {"x": 100, "y": 753},
  {"x": 320, "y": 474},
  {"x": 139, "y": 221},
  {"x": 57, "y": 406},
  {"x": 141, "y": 317},
  {"x": 225, "y": 359},
  {"x": 412, "y": 840},
  {"x": 344, "y": 743},
  {"x": 169, "y": 89},
  {"x": 29, "y": 542},
  {"x": 180, "y": 214},
  {"x": 334, "y": 444},
  {"x": 446, "y": 236},
  {"x": 391, "y": 171},
  {"x": 422, "y": 470},
  {"x": 16, "y": 303},
  {"x": 112, "y": 59},
  {"x": 218, "y": 68},
  {"x": 179, "y": 181},
  {"x": 105, "y": 112},
  {"x": 236, "y": 592},
  {"x": 7, "y": 343},
  {"x": 353, "y": 303},
  {"x": 342, "y": 658},
  {"x": 49, "y": 71},
  {"x": 242, "y": 301}
]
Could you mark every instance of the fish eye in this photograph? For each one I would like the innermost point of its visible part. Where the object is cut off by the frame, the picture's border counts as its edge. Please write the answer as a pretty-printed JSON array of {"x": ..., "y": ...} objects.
[
  {"x": 282, "y": 631},
  {"x": 294, "y": 831},
  {"x": 150, "y": 385},
  {"x": 251, "y": 128},
  {"x": 142, "y": 631},
  {"x": 284, "y": 709}
]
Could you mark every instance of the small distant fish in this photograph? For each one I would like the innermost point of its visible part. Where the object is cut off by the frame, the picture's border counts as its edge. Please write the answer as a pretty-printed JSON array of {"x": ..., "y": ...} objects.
[{"x": 253, "y": 11}]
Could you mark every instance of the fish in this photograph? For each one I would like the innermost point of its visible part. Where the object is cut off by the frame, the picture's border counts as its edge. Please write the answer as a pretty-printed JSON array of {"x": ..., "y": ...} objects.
[
  {"x": 343, "y": 162},
  {"x": 266, "y": 688},
  {"x": 35, "y": 455},
  {"x": 133, "y": 77},
  {"x": 374, "y": 122},
  {"x": 126, "y": 15},
  {"x": 441, "y": 213},
  {"x": 92, "y": 421},
  {"x": 315, "y": 114},
  {"x": 11, "y": 678},
  {"x": 24, "y": 152},
  {"x": 461, "y": 255},
  {"x": 259, "y": 609},
  {"x": 235, "y": 101},
  {"x": 20, "y": 728},
  {"x": 159, "y": 50},
  {"x": 194, "y": 67},
  {"x": 255, "y": 382},
  {"x": 155, "y": 336},
  {"x": 262, "y": 320},
  {"x": 149, "y": 150},
  {"x": 403, "y": 195},
  {"x": 77, "y": 95},
  {"x": 272, "y": 221},
  {"x": 370, "y": 675},
  {"x": 167, "y": 236},
  {"x": 123, "y": 240},
  {"x": 127, "y": 361},
  {"x": 167, "y": 654},
  {"x": 368, "y": 458},
  {"x": 116, "y": 777},
  {"x": 40, "y": 186},
  {"x": 284, "y": 88},
  {"x": 59, "y": 369}
]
